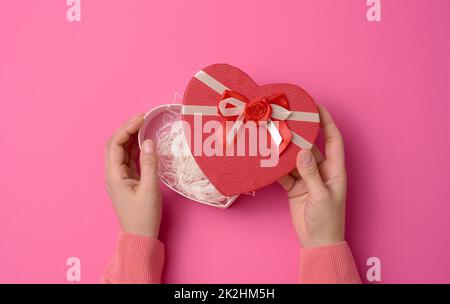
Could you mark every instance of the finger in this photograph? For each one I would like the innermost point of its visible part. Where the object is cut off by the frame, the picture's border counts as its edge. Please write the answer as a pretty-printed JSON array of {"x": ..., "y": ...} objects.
[
  {"x": 293, "y": 186},
  {"x": 295, "y": 174},
  {"x": 287, "y": 182},
  {"x": 318, "y": 156},
  {"x": 309, "y": 172},
  {"x": 334, "y": 144},
  {"x": 149, "y": 167},
  {"x": 299, "y": 189},
  {"x": 319, "y": 159},
  {"x": 131, "y": 127},
  {"x": 116, "y": 150},
  {"x": 134, "y": 156}
]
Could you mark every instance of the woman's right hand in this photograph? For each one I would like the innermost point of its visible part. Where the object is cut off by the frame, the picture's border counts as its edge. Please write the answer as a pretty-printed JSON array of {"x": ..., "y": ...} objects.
[{"x": 317, "y": 189}]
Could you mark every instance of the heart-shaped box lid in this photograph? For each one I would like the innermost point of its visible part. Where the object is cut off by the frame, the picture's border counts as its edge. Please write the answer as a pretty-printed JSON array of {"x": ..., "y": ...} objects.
[{"x": 222, "y": 108}]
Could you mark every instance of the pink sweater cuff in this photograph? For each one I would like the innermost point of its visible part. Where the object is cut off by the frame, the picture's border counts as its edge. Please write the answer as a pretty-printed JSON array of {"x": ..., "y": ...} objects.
[
  {"x": 331, "y": 264},
  {"x": 137, "y": 260}
]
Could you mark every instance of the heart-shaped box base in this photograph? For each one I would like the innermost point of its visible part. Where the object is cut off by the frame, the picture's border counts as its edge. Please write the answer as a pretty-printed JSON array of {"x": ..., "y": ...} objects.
[{"x": 153, "y": 121}]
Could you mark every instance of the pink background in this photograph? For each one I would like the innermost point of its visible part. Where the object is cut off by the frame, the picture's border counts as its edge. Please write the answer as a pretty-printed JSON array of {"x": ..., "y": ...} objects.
[{"x": 65, "y": 87}]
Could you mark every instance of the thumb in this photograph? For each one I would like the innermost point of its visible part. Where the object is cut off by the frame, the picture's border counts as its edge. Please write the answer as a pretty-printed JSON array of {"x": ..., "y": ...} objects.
[
  {"x": 149, "y": 167},
  {"x": 307, "y": 167}
]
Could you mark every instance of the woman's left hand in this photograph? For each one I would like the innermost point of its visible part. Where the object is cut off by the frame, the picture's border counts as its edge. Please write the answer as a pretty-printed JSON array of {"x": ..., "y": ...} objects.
[{"x": 136, "y": 199}]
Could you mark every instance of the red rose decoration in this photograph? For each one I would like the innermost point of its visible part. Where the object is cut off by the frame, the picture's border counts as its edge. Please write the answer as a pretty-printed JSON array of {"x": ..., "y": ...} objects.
[{"x": 258, "y": 109}]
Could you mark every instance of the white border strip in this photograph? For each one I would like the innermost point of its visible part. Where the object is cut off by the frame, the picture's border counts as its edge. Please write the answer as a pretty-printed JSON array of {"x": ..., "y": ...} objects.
[{"x": 211, "y": 82}]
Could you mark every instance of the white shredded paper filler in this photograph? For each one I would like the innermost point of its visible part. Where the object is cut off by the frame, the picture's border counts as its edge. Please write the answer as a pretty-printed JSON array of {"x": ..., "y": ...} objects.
[{"x": 177, "y": 166}]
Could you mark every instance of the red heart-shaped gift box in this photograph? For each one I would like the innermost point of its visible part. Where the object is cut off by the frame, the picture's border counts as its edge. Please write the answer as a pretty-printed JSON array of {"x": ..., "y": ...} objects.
[{"x": 224, "y": 94}]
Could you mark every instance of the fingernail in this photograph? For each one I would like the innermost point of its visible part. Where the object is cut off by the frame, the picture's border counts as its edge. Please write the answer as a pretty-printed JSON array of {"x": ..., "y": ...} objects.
[
  {"x": 147, "y": 146},
  {"x": 306, "y": 157}
]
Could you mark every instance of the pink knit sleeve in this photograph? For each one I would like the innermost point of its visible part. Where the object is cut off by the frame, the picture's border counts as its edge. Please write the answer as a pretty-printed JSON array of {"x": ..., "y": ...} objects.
[
  {"x": 332, "y": 264},
  {"x": 137, "y": 260}
]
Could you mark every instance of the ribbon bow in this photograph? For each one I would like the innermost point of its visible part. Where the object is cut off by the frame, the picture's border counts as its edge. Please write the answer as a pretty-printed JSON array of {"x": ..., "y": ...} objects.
[
  {"x": 234, "y": 106},
  {"x": 265, "y": 109}
]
